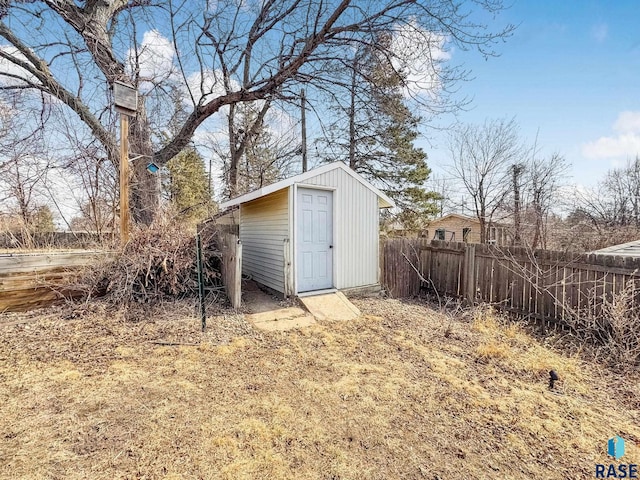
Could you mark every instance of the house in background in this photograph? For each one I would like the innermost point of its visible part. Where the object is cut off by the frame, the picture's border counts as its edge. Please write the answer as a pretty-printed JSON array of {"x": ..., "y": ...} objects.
[
  {"x": 312, "y": 232},
  {"x": 455, "y": 227}
]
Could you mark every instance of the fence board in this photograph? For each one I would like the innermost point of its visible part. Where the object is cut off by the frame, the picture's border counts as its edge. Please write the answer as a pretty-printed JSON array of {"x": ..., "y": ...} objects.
[
  {"x": 547, "y": 285},
  {"x": 232, "y": 268}
]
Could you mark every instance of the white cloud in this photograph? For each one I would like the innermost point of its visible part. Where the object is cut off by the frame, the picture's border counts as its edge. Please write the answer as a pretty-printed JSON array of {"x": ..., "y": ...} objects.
[
  {"x": 281, "y": 124},
  {"x": 626, "y": 144},
  {"x": 418, "y": 54},
  {"x": 155, "y": 58},
  {"x": 600, "y": 32},
  {"x": 206, "y": 86},
  {"x": 9, "y": 69},
  {"x": 628, "y": 122}
]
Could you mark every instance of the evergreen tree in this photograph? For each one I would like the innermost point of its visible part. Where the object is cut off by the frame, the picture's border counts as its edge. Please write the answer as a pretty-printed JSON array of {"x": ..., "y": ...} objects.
[
  {"x": 379, "y": 140},
  {"x": 42, "y": 220},
  {"x": 188, "y": 185}
]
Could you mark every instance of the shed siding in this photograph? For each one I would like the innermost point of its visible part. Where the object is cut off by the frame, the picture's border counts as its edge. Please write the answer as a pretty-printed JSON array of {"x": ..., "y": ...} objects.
[
  {"x": 264, "y": 226},
  {"x": 356, "y": 229}
]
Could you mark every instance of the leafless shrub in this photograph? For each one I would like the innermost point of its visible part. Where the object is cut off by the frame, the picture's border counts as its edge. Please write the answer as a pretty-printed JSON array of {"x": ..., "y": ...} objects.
[
  {"x": 614, "y": 332},
  {"x": 608, "y": 325},
  {"x": 158, "y": 263}
]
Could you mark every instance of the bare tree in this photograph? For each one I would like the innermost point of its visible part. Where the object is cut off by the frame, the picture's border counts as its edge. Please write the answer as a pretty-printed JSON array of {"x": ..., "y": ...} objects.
[
  {"x": 24, "y": 162},
  {"x": 610, "y": 212},
  {"x": 622, "y": 186},
  {"x": 95, "y": 180},
  {"x": 214, "y": 53},
  {"x": 245, "y": 123},
  {"x": 544, "y": 179},
  {"x": 444, "y": 188},
  {"x": 615, "y": 202},
  {"x": 259, "y": 144},
  {"x": 482, "y": 157}
]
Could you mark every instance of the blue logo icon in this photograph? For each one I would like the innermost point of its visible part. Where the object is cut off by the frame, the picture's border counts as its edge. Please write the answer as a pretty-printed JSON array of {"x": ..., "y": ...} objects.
[{"x": 615, "y": 447}]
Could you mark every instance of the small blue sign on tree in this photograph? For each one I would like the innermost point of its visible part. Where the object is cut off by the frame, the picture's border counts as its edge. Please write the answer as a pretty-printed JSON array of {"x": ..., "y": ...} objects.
[
  {"x": 152, "y": 167},
  {"x": 615, "y": 447}
]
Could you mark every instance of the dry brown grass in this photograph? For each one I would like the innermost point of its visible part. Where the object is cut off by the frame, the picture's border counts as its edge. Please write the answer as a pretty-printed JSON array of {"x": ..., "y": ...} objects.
[{"x": 399, "y": 393}]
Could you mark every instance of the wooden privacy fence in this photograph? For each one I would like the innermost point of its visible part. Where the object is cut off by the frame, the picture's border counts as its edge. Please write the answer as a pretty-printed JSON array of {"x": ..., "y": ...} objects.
[
  {"x": 58, "y": 240},
  {"x": 542, "y": 284},
  {"x": 32, "y": 280},
  {"x": 232, "y": 267}
]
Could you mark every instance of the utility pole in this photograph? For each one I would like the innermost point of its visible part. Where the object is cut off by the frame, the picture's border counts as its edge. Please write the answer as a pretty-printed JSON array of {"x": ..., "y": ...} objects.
[
  {"x": 304, "y": 130},
  {"x": 352, "y": 114},
  {"x": 517, "y": 170}
]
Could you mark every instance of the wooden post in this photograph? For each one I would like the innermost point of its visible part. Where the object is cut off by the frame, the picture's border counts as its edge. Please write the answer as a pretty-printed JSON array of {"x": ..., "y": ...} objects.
[
  {"x": 237, "y": 294},
  {"x": 124, "y": 178},
  {"x": 203, "y": 312},
  {"x": 232, "y": 268},
  {"x": 469, "y": 273},
  {"x": 288, "y": 283}
]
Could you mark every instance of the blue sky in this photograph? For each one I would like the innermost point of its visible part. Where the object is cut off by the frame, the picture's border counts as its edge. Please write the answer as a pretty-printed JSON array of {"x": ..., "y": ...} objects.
[{"x": 569, "y": 71}]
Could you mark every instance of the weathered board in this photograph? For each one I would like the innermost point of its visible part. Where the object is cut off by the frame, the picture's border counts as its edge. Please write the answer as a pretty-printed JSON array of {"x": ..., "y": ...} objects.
[
  {"x": 540, "y": 284},
  {"x": 33, "y": 280},
  {"x": 232, "y": 268}
]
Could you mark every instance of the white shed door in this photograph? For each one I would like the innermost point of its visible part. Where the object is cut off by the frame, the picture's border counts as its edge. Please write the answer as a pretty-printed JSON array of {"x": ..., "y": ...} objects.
[{"x": 314, "y": 239}]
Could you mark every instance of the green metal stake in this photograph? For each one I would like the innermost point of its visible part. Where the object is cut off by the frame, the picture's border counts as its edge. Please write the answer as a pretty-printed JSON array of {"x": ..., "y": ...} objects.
[{"x": 203, "y": 313}]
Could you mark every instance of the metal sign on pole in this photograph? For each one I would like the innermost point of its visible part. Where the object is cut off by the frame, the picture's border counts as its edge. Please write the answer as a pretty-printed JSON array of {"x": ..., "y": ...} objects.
[{"x": 126, "y": 102}]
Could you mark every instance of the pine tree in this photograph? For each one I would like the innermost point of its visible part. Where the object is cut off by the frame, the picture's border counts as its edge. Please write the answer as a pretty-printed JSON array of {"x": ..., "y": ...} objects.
[
  {"x": 42, "y": 219},
  {"x": 188, "y": 185},
  {"x": 379, "y": 140}
]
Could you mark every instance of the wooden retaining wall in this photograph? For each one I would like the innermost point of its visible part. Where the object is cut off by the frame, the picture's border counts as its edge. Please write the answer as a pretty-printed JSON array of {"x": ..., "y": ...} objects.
[
  {"x": 32, "y": 280},
  {"x": 541, "y": 284}
]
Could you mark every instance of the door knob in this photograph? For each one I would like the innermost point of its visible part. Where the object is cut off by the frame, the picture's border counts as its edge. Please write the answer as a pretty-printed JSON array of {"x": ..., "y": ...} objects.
[{"x": 330, "y": 246}]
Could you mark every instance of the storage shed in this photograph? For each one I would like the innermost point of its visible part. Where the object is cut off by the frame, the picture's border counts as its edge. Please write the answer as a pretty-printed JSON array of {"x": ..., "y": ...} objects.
[{"x": 312, "y": 232}]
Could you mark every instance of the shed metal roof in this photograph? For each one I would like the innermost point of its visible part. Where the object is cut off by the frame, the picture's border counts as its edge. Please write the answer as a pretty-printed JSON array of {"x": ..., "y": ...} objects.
[
  {"x": 384, "y": 200},
  {"x": 629, "y": 249}
]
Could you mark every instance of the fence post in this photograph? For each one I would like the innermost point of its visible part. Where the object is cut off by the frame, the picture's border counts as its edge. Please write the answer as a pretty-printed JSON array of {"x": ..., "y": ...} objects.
[
  {"x": 203, "y": 312},
  {"x": 237, "y": 294},
  {"x": 469, "y": 277}
]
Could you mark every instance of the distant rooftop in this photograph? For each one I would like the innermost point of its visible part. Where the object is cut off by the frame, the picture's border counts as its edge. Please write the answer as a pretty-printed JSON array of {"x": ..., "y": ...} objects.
[{"x": 630, "y": 249}]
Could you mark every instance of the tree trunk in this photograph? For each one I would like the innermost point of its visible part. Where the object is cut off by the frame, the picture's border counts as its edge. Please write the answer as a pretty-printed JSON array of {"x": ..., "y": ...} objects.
[
  {"x": 483, "y": 229},
  {"x": 145, "y": 186},
  {"x": 516, "y": 204},
  {"x": 537, "y": 234}
]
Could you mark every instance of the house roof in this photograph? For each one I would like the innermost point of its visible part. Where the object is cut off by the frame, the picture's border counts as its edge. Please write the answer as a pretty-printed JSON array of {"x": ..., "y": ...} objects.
[
  {"x": 629, "y": 249},
  {"x": 467, "y": 218},
  {"x": 383, "y": 200},
  {"x": 456, "y": 215}
]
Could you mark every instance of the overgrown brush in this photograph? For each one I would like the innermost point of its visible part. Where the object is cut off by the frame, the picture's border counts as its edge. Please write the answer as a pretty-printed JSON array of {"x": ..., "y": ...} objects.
[
  {"x": 614, "y": 331},
  {"x": 158, "y": 263}
]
